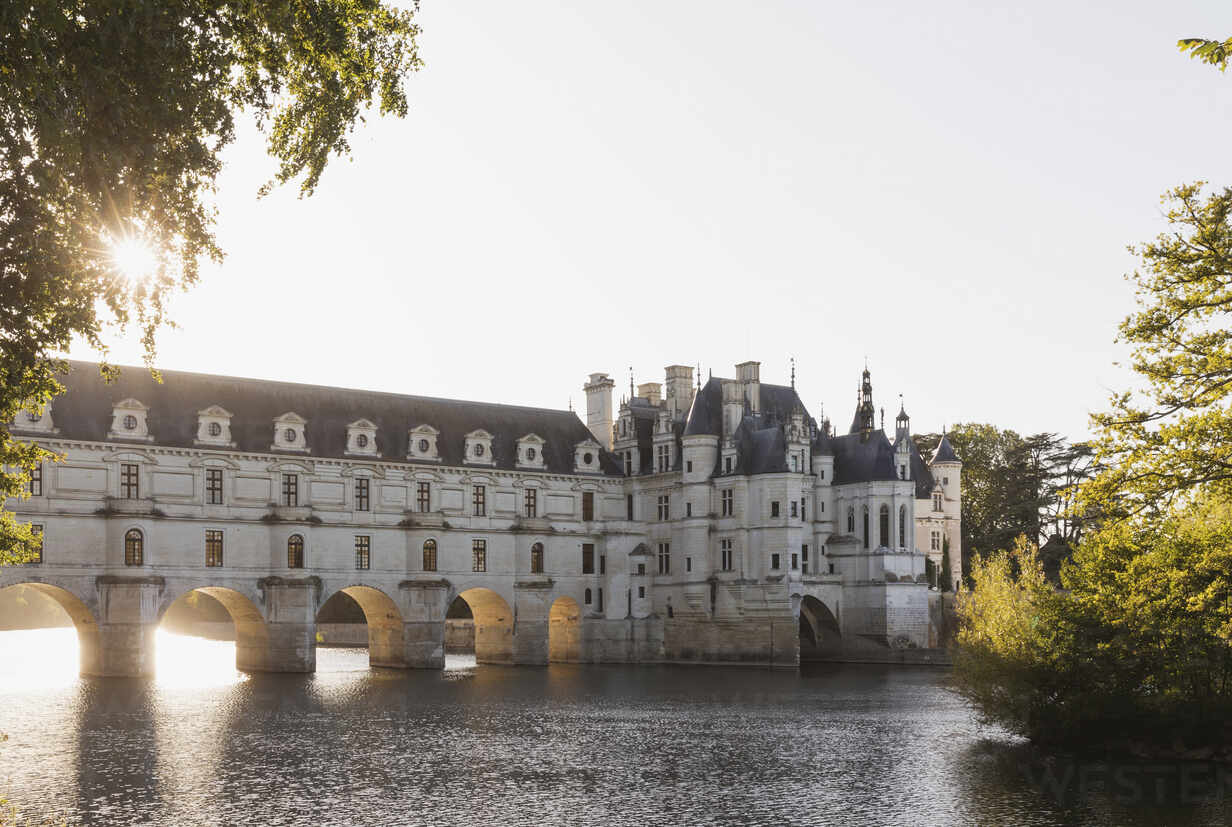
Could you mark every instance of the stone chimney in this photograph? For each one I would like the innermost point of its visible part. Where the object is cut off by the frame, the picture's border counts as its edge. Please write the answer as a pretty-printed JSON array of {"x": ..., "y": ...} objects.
[
  {"x": 599, "y": 408},
  {"x": 733, "y": 406},
  {"x": 679, "y": 389},
  {"x": 748, "y": 374},
  {"x": 652, "y": 392}
]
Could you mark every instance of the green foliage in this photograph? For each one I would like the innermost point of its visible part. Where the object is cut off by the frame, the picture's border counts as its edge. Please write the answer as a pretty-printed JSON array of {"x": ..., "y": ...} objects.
[
  {"x": 1137, "y": 650},
  {"x": 1214, "y": 52},
  {"x": 1173, "y": 438},
  {"x": 115, "y": 116},
  {"x": 947, "y": 572}
]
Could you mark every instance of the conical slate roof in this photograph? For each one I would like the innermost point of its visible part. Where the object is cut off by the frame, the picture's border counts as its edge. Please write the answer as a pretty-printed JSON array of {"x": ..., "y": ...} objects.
[{"x": 944, "y": 452}]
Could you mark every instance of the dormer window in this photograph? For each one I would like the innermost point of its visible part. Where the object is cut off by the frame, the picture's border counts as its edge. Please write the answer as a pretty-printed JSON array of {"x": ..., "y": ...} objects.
[
  {"x": 586, "y": 457},
  {"x": 289, "y": 433},
  {"x": 530, "y": 451},
  {"x": 479, "y": 448},
  {"x": 214, "y": 426},
  {"x": 361, "y": 438},
  {"x": 128, "y": 422},
  {"x": 421, "y": 444}
]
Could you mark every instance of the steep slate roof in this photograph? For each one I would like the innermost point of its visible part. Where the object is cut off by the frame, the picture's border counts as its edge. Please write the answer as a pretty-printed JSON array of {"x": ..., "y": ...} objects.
[
  {"x": 84, "y": 410},
  {"x": 863, "y": 461},
  {"x": 923, "y": 477},
  {"x": 945, "y": 451},
  {"x": 706, "y": 413}
]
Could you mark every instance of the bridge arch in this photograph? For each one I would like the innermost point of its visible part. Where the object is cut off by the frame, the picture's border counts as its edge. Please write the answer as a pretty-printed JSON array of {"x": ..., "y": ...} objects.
[
  {"x": 386, "y": 640},
  {"x": 252, "y": 635},
  {"x": 820, "y": 633},
  {"x": 78, "y": 611},
  {"x": 565, "y": 631},
  {"x": 493, "y": 625}
]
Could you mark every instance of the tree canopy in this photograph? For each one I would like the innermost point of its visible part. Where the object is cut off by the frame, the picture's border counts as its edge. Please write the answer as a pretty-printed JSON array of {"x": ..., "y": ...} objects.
[{"x": 116, "y": 113}]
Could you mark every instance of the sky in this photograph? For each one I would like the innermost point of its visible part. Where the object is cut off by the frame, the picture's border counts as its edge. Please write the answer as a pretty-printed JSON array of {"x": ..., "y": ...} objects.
[{"x": 945, "y": 190}]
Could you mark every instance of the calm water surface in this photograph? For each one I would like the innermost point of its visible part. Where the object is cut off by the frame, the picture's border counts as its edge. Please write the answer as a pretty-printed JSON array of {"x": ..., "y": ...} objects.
[{"x": 602, "y": 745}]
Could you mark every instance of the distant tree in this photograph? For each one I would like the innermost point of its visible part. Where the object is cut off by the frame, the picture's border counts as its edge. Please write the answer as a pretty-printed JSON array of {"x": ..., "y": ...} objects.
[
  {"x": 947, "y": 574},
  {"x": 115, "y": 114}
]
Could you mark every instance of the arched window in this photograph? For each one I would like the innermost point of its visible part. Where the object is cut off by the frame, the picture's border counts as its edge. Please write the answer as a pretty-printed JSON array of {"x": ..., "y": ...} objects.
[
  {"x": 536, "y": 558},
  {"x": 588, "y": 597},
  {"x": 883, "y": 526},
  {"x": 866, "y": 526},
  {"x": 902, "y": 526},
  {"x": 295, "y": 552},
  {"x": 429, "y": 555},
  {"x": 134, "y": 548},
  {"x": 851, "y": 520}
]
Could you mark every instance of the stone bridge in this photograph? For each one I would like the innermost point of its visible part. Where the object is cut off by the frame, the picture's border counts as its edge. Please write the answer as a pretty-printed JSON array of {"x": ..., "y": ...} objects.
[{"x": 517, "y": 621}]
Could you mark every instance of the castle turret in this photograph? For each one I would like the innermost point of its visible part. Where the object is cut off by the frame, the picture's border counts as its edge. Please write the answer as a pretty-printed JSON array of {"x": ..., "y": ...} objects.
[{"x": 902, "y": 443}]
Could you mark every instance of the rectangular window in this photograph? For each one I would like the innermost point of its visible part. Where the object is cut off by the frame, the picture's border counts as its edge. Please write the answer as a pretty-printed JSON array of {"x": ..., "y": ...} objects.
[
  {"x": 641, "y": 592},
  {"x": 429, "y": 555},
  {"x": 479, "y": 500},
  {"x": 665, "y": 558},
  {"x": 774, "y": 508},
  {"x": 936, "y": 502},
  {"x": 530, "y": 502},
  {"x": 37, "y": 530},
  {"x": 795, "y": 562},
  {"x": 795, "y": 463},
  {"x": 803, "y": 516},
  {"x": 688, "y": 509},
  {"x": 628, "y": 463},
  {"x": 536, "y": 558},
  {"x": 664, "y": 506},
  {"x": 821, "y": 474},
  {"x": 774, "y": 561},
  {"x": 725, "y": 554},
  {"x": 213, "y": 486},
  {"x": 479, "y": 555},
  {"x": 35, "y": 485},
  {"x": 588, "y": 558},
  {"x": 361, "y": 494},
  {"x": 641, "y": 568},
  {"x": 795, "y": 512},
  {"x": 688, "y": 564},
  {"x": 423, "y": 496},
  {"x": 588, "y": 505},
  {"x": 363, "y": 552},
  {"x": 727, "y": 465},
  {"x": 213, "y": 547},
  {"x": 936, "y": 541},
  {"x": 628, "y": 506},
  {"x": 688, "y": 466},
  {"x": 728, "y": 498},
  {"x": 602, "y": 564},
  {"x": 129, "y": 487},
  {"x": 290, "y": 490},
  {"x": 665, "y": 458}
]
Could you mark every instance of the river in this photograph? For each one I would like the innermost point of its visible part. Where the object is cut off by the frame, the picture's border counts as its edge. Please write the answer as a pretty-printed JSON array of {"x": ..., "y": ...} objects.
[{"x": 585, "y": 745}]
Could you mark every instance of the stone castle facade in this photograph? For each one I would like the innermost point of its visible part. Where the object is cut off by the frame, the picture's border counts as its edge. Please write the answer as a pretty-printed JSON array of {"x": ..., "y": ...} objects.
[{"x": 714, "y": 522}]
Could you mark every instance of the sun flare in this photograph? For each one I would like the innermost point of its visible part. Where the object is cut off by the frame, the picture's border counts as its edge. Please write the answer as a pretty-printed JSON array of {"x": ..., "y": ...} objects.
[{"x": 133, "y": 258}]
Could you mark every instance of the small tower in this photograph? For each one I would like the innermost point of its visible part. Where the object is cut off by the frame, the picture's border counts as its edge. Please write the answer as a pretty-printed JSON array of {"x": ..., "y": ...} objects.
[
  {"x": 865, "y": 420},
  {"x": 947, "y": 471},
  {"x": 902, "y": 443},
  {"x": 599, "y": 408}
]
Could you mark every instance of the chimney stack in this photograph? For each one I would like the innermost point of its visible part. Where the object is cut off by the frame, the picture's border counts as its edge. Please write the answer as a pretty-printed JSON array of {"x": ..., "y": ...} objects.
[
  {"x": 599, "y": 408},
  {"x": 679, "y": 389},
  {"x": 652, "y": 392},
  {"x": 748, "y": 374}
]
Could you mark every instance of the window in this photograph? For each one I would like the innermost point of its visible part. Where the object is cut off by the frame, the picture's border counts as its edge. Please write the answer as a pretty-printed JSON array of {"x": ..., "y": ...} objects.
[
  {"x": 688, "y": 564},
  {"x": 774, "y": 508},
  {"x": 664, "y": 453},
  {"x": 479, "y": 500},
  {"x": 588, "y": 558},
  {"x": 831, "y": 568},
  {"x": 588, "y": 505},
  {"x": 290, "y": 490},
  {"x": 35, "y": 486},
  {"x": 363, "y": 552},
  {"x": 865, "y": 526},
  {"x": 821, "y": 474},
  {"x": 725, "y": 554},
  {"x": 688, "y": 466},
  {"x": 213, "y": 486},
  {"x": 295, "y": 552},
  {"x": 902, "y": 526},
  {"x": 883, "y": 526},
  {"x": 628, "y": 463},
  {"x": 688, "y": 509},
  {"x": 213, "y": 547},
  {"x": 664, "y": 506},
  {"x": 479, "y": 555},
  {"x": 602, "y": 564},
  {"x": 727, "y": 465},
  {"x": 945, "y": 481},
  {"x": 423, "y": 496},
  {"x": 214, "y": 429},
  {"x": 429, "y": 555},
  {"x": 851, "y": 520},
  {"x": 774, "y": 561},
  {"x": 936, "y": 541},
  {"x": 37, "y": 530},
  {"x": 936, "y": 502},
  {"x": 803, "y": 516},
  {"x": 628, "y": 506},
  {"x": 795, "y": 562},
  {"x": 641, "y": 592},
  {"x": 129, "y": 488},
  {"x": 134, "y": 548},
  {"x": 600, "y": 604},
  {"x": 902, "y": 472},
  {"x": 804, "y": 558},
  {"x": 361, "y": 493},
  {"x": 530, "y": 502},
  {"x": 536, "y": 558},
  {"x": 586, "y": 598},
  {"x": 641, "y": 568},
  {"x": 795, "y": 510},
  {"x": 479, "y": 449},
  {"x": 665, "y": 558}
]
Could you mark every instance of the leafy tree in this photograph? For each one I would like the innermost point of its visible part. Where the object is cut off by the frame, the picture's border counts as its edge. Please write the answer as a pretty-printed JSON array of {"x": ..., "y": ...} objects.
[
  {"x": 115, "y": 116},
  {"x": 947, "y": 572},
  {"x": 1214, "y": 52},
  {"x": 1173, "y": 437}
]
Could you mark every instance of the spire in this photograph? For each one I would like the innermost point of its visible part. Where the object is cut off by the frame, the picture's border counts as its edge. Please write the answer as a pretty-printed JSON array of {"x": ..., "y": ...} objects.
[
  {"x": 865, "y": 419},
  {"x": 793, "y": 373},
  {"x": 631, "y": 393},
  {"x": 902, "y": 425}
]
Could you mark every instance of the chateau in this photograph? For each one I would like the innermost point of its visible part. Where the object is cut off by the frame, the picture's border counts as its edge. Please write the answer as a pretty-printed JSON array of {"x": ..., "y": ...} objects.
[{"x": 714, "y": 522}]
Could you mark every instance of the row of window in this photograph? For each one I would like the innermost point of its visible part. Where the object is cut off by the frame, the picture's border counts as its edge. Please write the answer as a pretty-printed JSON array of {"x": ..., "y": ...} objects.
[{"x": 883, "y": 525}]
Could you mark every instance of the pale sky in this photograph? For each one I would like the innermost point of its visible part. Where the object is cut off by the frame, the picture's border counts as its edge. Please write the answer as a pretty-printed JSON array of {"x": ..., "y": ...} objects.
[{"x": 944, "y": 188}]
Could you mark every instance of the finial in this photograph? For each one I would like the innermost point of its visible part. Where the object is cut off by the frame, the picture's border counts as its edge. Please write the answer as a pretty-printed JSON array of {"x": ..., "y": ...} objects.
[
  {"x": 793, "y": 373},
  {"x": 570, "y": 403},
  {"x": 631, "y": 394},
  {"x": 699, "y": 375},
  {"x": 883, "y": 419}
]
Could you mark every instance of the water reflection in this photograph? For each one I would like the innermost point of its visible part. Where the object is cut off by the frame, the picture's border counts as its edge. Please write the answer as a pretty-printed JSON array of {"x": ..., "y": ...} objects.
[{"x": 568, "y": 744}]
